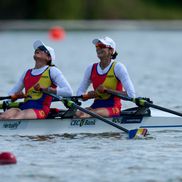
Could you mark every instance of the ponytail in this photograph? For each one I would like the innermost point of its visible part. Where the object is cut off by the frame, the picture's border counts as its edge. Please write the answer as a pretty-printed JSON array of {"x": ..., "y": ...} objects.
[
  {"x": 50, "y": 63},
  {"x": 113, "y": 56}
]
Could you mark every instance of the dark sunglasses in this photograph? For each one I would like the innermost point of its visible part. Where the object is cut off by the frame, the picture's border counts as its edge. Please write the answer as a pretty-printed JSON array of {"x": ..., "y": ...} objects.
[
  {"x": 42, "y": 48},
  {"x": 102, "y": 46}
]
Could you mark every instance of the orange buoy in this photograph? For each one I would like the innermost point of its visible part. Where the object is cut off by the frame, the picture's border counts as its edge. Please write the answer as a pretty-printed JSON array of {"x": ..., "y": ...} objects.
[
  {"x": 7, "y": 158},
  {"x": 57, "y": 33}
]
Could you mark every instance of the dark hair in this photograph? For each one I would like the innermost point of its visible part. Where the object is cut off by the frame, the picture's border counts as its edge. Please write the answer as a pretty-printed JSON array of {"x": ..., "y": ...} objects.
[
  {"x": 113, "y": 56},
  {"x": 50, "y": 63}
]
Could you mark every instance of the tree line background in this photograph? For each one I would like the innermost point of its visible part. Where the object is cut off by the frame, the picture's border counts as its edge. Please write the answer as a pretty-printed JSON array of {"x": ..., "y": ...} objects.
[{"x": 90, "y": 9}]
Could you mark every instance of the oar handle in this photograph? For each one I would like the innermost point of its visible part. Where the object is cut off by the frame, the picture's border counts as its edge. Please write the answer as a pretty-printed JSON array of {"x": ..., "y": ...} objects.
[
  {"x": 14, "y": 97},
  {"x": 75, "y": 97},
  {"x": 70, "y": 97},
  {"x": 5, "y": 97},
  {"x": 118, "y": 94}
]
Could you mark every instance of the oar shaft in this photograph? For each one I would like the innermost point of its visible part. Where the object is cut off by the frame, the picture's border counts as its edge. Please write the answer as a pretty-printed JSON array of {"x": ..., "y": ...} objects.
[
  {"x": 70, "y": 97},
  {"x": 14, "y": 97},
  {"x": 5, "y": 97},
  {"x": 163, "y": 109},
  {"x": 75, "y": 97},
  {"x": 143, "y": 102},
  {"x": 120, "y": 95},
  {"x": 72, "y": 104}
]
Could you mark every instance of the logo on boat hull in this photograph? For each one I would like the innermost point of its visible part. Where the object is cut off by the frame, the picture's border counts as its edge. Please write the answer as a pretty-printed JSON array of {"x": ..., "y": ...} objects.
[
  {"x": 128, "y": 119},
  {"x": 82, "y": 122},
  {"x": 11, "y": 125}
]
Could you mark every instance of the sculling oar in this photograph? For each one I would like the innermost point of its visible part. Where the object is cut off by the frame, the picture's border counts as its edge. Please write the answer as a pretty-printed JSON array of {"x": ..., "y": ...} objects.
[
  {"x": 141, "y": 102},
  {"x": 14, "y": 97},
  {"x": 135, "y": 133},
  {"x": 5, "y": 97},
  {"x": 73, "y": 98}
]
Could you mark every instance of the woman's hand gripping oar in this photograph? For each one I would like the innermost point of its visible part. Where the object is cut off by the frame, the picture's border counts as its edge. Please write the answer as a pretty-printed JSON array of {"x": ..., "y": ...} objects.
[
  {"x": 12, "y": 104},
  {"x": 135, "y": 133},
  {"x": 14, "y": 97}
]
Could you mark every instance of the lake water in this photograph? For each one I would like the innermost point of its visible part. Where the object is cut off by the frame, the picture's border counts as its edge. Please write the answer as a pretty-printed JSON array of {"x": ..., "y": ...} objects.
[{"x": 153, "y": 60}]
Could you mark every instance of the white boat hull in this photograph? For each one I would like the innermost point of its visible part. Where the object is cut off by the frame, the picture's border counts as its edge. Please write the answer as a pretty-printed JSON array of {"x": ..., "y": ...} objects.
[{"x": 158, "y": 121}]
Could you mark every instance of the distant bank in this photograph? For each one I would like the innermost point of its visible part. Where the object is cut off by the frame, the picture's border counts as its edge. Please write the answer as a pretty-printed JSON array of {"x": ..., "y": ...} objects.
[{"x": 26, "y": 25}]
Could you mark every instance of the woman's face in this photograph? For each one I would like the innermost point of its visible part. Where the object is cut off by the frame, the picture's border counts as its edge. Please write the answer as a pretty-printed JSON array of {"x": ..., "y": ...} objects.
[
  {"x": 41, "y": 55},
  {"x": 103, "y": 51}
]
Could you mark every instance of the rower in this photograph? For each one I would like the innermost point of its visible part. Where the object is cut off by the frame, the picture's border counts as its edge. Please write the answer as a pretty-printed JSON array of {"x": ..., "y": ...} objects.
[
  {"x": 43, "y": 77},
  {"x": 107, "y": 73}
]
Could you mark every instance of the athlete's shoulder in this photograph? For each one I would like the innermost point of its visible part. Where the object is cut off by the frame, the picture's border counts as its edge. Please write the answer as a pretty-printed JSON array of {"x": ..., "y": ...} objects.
[
  {"x": 118, "y": 63},
  {"x": 54, "y": 72},
  {"x": 28, "y": 70},
  {"x": 90, "y": 66},
  {"x": 119, "y": 67},
  {"x": 54, "y": 69}
]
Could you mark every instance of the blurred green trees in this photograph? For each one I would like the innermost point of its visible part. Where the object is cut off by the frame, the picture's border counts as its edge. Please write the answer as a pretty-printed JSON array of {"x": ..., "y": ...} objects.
[{"x": 90, "y": 9}]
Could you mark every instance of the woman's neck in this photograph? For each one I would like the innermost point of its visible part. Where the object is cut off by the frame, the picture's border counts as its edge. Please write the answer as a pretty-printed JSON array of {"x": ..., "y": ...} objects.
[
  {"x": 104, "y": 63},
  {"x": 39, "y": 64}
]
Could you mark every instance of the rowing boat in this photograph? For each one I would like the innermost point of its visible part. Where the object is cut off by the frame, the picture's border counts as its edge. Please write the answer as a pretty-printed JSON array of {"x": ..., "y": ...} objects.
[{"x": 66, "y": 124}]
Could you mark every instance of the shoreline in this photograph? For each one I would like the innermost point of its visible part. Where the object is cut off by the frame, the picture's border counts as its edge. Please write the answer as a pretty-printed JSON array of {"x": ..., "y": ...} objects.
[{"x": 40, "y": 25}]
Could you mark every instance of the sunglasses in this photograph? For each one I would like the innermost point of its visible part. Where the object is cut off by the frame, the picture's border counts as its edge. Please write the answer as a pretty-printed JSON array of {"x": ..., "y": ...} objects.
[
  {"x": 42, "y": 48},
  {"x": 102, "y": 46}
]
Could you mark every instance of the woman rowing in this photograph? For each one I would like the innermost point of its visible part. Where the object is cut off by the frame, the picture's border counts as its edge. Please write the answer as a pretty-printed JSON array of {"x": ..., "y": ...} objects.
[
  {"x": 105, "y": 74},
  {"x": 43, "y": 77}
]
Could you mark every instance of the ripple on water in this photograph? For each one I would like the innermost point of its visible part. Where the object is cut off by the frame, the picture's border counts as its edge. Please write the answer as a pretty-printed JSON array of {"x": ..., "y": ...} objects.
[{"x": 105, "y": 157}]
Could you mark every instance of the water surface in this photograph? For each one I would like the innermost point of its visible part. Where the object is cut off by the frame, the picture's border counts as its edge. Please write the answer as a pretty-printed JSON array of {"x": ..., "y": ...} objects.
[{"x": 153, "y": 60}]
